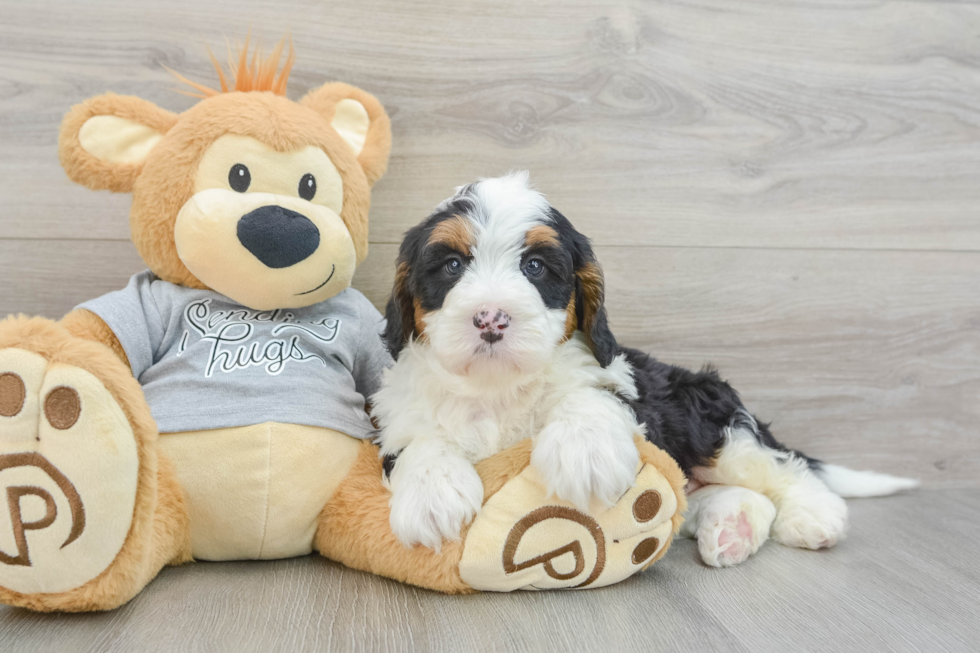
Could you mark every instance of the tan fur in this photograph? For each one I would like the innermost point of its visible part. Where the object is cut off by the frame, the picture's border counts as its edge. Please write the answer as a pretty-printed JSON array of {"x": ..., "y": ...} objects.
[
  {"x": 419, "y": 314},
  {"x": 355, "y": 530},
  {"x": 571, "y": 319},
  {"x": 89, "y": 326},
  {"x": 374, "y": 157},
  {"x": 159, "y": 530},
  {"x": 406, "y": 305},
  {"x": 541, "y": 236},
  {"x": 593, "y": 294},
  {"x": 84, "y": 168},
  {"x": 671, "y": 471},
  {"x": 454, "y": 232},
  {"x": 497, "y": 470},
  {"x": 164, "y": 183}
]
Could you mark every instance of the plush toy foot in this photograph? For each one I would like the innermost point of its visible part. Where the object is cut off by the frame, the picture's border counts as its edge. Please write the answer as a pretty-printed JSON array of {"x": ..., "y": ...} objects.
[
  {"x": 521, "y": 538},
  {"x": 79, "y": 471},
  {"x": 524, "y": 539}
]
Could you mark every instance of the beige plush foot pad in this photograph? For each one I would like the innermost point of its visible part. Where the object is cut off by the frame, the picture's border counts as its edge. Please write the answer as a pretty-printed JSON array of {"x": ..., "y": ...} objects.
[
  {"x": 524, "y": 540},
  {"x": 68, "y": 475}
]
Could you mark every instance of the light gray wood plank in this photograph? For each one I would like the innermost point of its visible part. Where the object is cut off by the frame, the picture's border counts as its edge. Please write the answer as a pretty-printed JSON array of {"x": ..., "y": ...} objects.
[
  {"x": 904, "y": 580},
  {"x": 865, "y": 358},
  {"x": 692, "y": 123}
]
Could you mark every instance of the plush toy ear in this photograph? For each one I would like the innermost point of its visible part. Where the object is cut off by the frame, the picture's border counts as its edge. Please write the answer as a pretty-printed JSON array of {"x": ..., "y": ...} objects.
[
  {"x": 105, "y": 140},
  {"x": 359, "y": 119}
]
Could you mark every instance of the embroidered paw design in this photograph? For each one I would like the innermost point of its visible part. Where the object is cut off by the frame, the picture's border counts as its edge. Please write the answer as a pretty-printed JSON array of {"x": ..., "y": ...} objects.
[
  {"x": 68, "y": 474},
  {"x": 523, "y": 540}
]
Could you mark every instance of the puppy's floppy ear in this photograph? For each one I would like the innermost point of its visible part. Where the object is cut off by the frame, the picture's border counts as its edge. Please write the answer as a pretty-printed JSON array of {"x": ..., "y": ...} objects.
[
  {"x": 105, "y": 140},
  {"x": 590, "y": 297},
  {"x": 359, "y": 119},
  {"x": 401, "y": 324},
  {"x": 400, "y": 313}
]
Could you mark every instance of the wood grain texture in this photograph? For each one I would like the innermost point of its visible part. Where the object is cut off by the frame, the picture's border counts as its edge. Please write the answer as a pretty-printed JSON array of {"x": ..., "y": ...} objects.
[
  {"x": 785, "y": 188},
  {"x": 905, "y": 580},
  {"x": 779, "y": 123}
]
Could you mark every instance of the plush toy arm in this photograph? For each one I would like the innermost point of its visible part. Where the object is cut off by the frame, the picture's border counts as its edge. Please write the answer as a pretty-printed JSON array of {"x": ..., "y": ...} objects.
[{"x": 89, "y": 326}]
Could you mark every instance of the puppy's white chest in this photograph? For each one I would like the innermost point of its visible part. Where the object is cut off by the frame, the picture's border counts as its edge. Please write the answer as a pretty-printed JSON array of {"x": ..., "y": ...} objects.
[{"x": 491, "y": 430}]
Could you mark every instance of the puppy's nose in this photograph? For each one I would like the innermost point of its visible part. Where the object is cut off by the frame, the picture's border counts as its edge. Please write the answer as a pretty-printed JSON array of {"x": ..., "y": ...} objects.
[
  {"x": 278, "y": 237},
  {"x": 491, "y": 324}
]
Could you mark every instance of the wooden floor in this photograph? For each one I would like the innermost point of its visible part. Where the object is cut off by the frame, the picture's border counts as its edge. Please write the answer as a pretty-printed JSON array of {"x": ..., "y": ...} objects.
[
  {"x": 788, "y": 189},
  {"x": 906, "y": 579}
]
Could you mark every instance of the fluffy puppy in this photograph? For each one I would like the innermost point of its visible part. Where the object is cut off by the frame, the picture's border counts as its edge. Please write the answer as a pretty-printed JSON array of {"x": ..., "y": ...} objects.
[{"x": 497, "y": 323}]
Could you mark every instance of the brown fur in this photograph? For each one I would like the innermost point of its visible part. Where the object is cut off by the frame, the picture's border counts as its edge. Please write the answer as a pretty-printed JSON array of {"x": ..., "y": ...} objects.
[
  {"x": 374, "y": 157},
  {"x": 84, "y": 168},
  {"x": 419, "y": 315},
  {"x": 497, "y": 470},
  {"x": 354, "y": 529},
  {"x": 89, "y": 326},
  {"x": 454, "y": 232},
  {"x": 571, "y": 319},
  {"x": 542, "y": 235},
  {"x": 406, "y": 306},
  {"x": 159, "y": 532},
  {"x": 590, "y": 279}
]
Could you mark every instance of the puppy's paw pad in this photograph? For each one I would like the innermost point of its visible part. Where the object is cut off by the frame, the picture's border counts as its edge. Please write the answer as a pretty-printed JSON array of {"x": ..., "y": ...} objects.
[{"x": 728, "y": 541}]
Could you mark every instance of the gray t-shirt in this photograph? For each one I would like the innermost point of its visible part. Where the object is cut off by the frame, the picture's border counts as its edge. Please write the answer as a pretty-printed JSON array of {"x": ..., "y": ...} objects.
[{"x": 206, "y": 362}]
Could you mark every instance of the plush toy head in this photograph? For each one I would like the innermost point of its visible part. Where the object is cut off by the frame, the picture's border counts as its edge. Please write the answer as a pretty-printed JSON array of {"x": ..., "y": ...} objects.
[{"x": 260, "y": 198}]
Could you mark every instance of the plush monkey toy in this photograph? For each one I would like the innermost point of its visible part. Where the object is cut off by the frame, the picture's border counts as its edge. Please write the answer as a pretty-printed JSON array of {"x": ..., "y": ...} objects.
[{"x": 214, "y": 409}]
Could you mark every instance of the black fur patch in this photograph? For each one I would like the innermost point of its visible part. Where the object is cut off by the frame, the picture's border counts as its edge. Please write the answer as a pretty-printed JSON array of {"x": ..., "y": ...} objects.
[
  {"x": 686, "y": 412},
  {"x": 388, "y": 464},
  {"x": 557, "y": 281},
  {"x": 427, "y": 280}
]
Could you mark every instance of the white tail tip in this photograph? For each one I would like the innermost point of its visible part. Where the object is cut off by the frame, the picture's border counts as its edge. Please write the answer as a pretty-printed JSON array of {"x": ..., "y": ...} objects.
[{"x": 850, "y": 483}]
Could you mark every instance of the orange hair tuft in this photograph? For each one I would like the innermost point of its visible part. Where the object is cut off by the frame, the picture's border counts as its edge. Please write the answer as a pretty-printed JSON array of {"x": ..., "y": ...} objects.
[{"x": 257, "y": 73}]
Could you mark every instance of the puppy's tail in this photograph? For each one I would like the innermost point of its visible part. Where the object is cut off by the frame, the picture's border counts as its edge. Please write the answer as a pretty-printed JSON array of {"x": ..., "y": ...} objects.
[{"x": 853, "y": 483}]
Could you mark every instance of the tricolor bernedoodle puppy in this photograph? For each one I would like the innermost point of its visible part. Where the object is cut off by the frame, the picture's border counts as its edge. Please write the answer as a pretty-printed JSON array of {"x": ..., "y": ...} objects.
[{"x": 497, "y": 323}]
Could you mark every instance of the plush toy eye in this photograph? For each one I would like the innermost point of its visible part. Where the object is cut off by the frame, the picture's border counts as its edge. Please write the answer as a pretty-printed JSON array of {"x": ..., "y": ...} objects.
[
  {"x": 307, "y": 187},
  {"x": 239, "y": 178},
  {"x": 533, "y": 268},
  {"x": 454, "y": 266}
]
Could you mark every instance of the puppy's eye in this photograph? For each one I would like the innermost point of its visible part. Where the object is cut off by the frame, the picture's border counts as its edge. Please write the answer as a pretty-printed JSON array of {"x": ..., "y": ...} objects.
[
  {"x": 239, "y": 178},
  {"x": 454, "y": 266},
  {"x": 534, "y": 268},
  {"x": 307, "y": 187}
]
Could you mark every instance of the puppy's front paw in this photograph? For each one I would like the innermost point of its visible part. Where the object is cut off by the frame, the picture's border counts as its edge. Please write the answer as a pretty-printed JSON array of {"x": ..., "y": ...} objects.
[
  {"x": 579, "y": 463},
  {"x": 431, "y": 503}
]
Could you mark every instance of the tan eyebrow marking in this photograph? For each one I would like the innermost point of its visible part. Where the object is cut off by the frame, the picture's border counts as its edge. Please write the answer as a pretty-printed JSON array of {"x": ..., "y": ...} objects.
[
  {"x": 541, "y": 235},
  {"x": 455, "y": 232}
]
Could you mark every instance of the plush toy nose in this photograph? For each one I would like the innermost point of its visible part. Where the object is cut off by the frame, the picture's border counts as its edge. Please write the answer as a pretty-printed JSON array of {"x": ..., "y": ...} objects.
[{"x": 278, "y": 237}]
